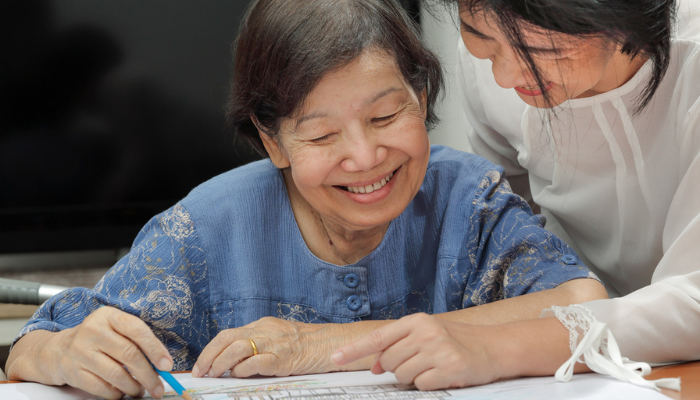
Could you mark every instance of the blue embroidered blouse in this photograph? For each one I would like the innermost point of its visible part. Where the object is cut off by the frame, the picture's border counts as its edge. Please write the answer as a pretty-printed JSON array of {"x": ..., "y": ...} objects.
[{"x": 231, "y": 252}]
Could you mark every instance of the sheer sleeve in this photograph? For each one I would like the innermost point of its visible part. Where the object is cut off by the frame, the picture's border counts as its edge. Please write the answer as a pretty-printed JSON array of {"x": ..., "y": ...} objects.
[{"x": 658, "y": 323}]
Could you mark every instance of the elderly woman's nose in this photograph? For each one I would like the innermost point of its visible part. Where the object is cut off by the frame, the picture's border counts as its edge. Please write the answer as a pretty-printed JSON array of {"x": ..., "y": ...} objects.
[{"x": 363, "y": 155}]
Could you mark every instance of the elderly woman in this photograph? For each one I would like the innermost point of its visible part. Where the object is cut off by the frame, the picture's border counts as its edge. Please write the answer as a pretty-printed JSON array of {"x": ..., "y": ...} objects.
[{"x": 353, "y": 220}]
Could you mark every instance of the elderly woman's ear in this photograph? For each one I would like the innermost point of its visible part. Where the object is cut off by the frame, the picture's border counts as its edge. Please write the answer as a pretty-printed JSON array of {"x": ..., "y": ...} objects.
[{"x": 271, "y": 146}]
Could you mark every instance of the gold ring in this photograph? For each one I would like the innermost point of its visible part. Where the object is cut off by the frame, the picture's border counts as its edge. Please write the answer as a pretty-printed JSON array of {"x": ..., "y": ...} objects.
[{"x": 255, "y": 348}]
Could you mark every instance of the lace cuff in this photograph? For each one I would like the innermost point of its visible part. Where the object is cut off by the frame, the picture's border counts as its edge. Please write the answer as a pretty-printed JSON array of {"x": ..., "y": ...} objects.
[
  {"x": 577, "y": 320},
  {"x": 593, "y": 344}
]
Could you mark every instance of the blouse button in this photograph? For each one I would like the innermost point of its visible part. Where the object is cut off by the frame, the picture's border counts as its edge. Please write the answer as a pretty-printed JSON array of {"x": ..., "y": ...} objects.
[
  {"x": 568, "y": 259},
  {"x": 351, "y": 280},
  {"x": 354, "y": 302}
]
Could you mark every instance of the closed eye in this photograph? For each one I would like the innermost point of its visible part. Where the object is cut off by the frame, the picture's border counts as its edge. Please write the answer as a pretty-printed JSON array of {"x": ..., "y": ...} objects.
[
  {"x": 383, "y": 119},
  {"x": 469, "y": 29},
  {"x": 322, "y": 138},
  {"x": 548, "y": 53}
]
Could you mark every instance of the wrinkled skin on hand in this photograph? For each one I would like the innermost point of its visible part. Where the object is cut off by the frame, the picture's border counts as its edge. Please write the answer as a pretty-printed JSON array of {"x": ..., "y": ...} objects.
[
  {"x": 429, "y": 352},
  {"x": 284, "y": 348},
  {"x": 93, "y": 355}
]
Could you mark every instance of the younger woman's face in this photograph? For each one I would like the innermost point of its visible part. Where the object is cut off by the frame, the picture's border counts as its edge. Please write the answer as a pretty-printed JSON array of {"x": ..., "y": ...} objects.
[{"x": 571, "y": 67}]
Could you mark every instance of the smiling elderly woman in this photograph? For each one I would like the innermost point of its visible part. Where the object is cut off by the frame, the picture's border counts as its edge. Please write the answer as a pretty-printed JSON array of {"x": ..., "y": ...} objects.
[{"x": 353, "y": 220}]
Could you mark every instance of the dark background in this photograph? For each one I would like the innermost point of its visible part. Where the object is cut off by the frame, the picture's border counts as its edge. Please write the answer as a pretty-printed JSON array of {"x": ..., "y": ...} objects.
[{"x": 110, "y": 112}]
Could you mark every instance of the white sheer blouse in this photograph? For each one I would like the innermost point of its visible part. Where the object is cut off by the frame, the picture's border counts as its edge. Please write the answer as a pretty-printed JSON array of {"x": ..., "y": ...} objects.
[{"x": 622, "y": 189}]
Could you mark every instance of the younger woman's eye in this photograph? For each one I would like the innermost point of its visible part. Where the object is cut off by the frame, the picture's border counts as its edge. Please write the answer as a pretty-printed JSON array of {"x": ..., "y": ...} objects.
[{"x": 547, "y": 56}]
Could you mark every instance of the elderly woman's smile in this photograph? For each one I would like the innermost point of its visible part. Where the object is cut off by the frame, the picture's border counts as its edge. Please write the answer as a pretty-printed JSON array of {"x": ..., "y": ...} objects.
[
  {"x": 368, "y": 188},
  {"x": 357, "y": 151}
]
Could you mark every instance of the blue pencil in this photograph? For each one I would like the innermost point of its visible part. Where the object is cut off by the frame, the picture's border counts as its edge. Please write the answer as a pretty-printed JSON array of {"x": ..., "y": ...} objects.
[
  {"x": 168, "y": 378},
  {"x": 173, "y": 383}
]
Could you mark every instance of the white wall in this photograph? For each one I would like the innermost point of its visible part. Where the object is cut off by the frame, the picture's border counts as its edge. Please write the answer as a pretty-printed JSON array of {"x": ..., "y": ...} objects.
[{"x": 440, "y": 33}]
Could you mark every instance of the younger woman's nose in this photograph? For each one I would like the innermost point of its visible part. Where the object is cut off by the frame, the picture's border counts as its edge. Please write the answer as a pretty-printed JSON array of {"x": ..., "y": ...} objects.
[{"x": 508, "y": 71}]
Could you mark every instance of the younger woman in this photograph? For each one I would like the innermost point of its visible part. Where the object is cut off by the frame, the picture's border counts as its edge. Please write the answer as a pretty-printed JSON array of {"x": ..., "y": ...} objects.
[{"x": 593, "y": 107}]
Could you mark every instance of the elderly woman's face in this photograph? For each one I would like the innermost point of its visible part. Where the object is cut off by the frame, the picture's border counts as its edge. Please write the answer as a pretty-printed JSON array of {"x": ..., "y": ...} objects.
[{"x": 358, "y": 149}]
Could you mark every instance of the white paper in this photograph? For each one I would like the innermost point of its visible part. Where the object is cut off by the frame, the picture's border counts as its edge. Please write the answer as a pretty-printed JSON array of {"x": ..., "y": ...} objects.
[
  {"x": 362, "y": 385},
  {"x": 581, "y": 387}
]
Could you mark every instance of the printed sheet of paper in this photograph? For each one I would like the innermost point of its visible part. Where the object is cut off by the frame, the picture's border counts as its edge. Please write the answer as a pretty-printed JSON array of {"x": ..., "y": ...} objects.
[{"x": 362, "y": 385}]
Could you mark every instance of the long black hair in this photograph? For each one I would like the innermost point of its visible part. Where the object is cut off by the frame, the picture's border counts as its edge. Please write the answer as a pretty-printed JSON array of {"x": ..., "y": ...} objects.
[
  {"x": 641, "y": 27},
  {"x": 285, "y": 47}
]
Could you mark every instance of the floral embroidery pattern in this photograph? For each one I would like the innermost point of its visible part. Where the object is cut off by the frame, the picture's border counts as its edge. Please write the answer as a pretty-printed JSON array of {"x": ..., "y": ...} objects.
[
  {"x": 509, "y": 258},
  {"x": 295, "y": 312},
  {"x": 156, "y": 281},
  {"x": 414, "y": 302}
]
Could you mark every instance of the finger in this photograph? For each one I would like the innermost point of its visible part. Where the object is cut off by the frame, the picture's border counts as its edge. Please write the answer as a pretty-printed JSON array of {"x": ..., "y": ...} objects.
[
  {"x": 262, "y": 364},
  {"x": 213, "y": 349},
  {"x": 398, "y": 353},
  {"x": 374, "y": 342},
  {"x": 138, "y": 332},
  {"x": 410, "y": 368},
  {"x": 230, "y": 357},
  {"x": 93, "y": 384},
  {"x": 377, "y": 367},
  {"x": 444, "y": 368},
  {"x": 436, "y": 378},
  {"x": 122, "y": 351},
  {"x": 114, "y": 374}
]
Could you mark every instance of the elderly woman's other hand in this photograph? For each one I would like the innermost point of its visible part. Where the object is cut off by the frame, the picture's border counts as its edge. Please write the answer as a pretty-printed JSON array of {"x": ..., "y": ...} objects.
[{"x": 283, "y": 348}]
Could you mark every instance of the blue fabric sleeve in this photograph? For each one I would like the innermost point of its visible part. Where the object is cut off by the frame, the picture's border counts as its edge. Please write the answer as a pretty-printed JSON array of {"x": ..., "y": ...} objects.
[
  {"x": 511, "y": 253},
  {"x": 162, "y": 280}
]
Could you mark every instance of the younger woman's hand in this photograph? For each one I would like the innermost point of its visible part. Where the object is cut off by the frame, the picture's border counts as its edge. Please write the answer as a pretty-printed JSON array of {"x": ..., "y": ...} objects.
[{"x": 429, "y": 352}]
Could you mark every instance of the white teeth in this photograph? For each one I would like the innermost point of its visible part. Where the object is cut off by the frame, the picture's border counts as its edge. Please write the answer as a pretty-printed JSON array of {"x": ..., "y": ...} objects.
[{"x": 371, "y": 188}]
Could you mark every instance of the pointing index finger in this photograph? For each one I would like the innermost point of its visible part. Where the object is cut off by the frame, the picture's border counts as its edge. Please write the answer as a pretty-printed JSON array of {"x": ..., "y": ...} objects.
[{"x": 374, "y": 342}]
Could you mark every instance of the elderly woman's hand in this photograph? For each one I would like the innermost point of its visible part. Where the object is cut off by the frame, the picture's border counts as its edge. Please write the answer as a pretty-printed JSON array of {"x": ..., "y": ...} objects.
[
  {"x": 104, "y": 355},
  {"x": 283, "y": 348}
]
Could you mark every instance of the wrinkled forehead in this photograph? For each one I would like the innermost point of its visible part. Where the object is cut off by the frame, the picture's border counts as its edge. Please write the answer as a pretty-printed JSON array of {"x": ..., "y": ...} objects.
[{"x": 374, "y": 60}]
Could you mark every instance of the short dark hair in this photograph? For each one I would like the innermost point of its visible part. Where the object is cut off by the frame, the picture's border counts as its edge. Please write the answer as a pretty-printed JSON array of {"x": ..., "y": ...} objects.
[
  {"x": 285, "y": 47},
  {"x": 642, "y": 27}
]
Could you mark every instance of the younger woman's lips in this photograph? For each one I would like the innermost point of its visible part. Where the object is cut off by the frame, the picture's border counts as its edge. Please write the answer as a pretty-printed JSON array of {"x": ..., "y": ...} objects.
[{"x": 534, "y": 92}]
